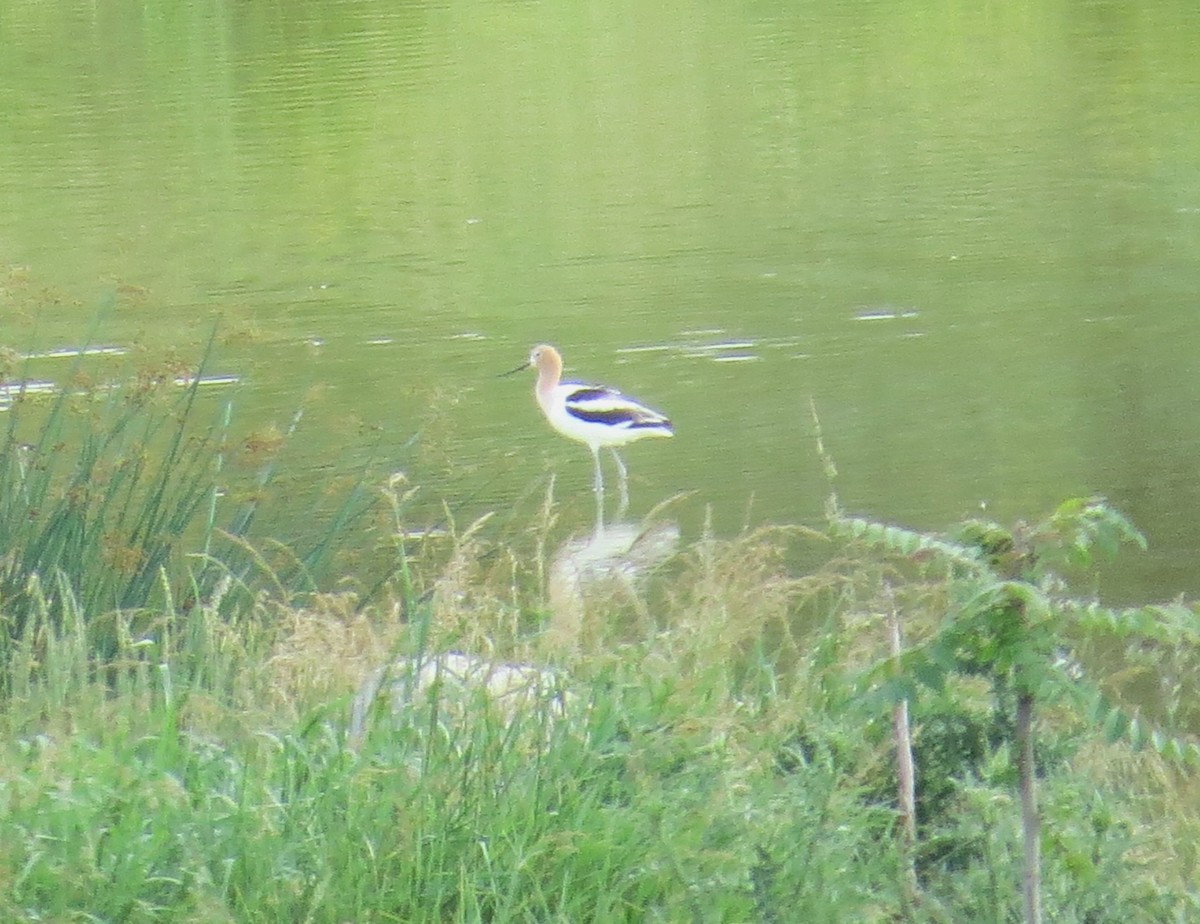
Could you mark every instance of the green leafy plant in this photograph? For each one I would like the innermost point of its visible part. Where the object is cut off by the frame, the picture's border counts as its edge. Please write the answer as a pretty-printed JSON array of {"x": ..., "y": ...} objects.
[{"x": 1007, "y": 619}]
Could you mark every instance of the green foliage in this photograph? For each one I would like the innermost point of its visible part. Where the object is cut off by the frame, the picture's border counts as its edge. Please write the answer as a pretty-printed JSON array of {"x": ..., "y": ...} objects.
[
  {"x": 1168, "y": 624},
  {"x": 1007, "y": 615},
  {"x": 1006, "y": 620},
  {"x": 896, "y": 540},
  {"x": 1096, "y": 868},
  {"x": 1117, "y": 723},
  {"x": 633, "y": 811},
  {"x": 719, "y": 768},
  {"x": 110, "y": 503},
  {"x": 1081, "y": 531},
  {"x": 98, "y": 506}
]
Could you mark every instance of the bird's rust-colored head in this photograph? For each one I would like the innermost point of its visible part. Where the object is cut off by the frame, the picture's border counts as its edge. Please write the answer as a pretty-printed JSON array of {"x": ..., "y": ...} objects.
[{"x": 547, "y": 361}]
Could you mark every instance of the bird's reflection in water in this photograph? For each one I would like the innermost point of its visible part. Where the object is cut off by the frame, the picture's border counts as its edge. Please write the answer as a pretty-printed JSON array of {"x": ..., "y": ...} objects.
[{"x": 609, "y": 563}]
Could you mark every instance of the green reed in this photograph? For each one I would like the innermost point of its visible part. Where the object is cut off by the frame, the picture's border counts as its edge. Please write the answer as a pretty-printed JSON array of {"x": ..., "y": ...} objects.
[{"x": 99, "y": 486}]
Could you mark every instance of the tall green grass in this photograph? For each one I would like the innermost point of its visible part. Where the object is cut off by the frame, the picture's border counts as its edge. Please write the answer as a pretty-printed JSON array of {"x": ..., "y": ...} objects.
[
  {"x": 175, "y": 794},
  {"x": 144, "y": 800},
  {"x": 97, "y": 502},
  {"x": 115, "y": 498}
]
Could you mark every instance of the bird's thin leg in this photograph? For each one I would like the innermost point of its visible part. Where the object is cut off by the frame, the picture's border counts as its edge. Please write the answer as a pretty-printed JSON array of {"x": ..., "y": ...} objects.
[
  {"x": 624, "y": 479},
  {"x": 598, "y": 488}
]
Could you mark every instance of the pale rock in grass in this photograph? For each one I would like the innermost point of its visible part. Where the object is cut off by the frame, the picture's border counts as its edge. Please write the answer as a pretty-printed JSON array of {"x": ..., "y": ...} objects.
[{"x": 462, "y": 684}]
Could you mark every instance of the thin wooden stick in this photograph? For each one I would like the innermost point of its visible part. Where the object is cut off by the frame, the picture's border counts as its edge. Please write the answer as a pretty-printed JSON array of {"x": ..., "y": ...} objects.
[{"x": 905, "y": 772}]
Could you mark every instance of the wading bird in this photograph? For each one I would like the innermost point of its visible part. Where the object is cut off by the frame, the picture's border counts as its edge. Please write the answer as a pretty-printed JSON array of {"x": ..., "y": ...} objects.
[{"x": 593, "y": 415}]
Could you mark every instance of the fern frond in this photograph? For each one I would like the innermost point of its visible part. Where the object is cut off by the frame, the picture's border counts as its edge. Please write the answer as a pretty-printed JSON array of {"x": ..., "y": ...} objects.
[
  {"x": 1117, "y": 724},
  {"x": 1170, "y": 624},
  {"x": 908, "y": 543}
]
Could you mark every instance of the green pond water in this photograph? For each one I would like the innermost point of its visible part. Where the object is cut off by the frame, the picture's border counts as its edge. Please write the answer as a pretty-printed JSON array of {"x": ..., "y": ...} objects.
[{"x": 968, "y": 234}]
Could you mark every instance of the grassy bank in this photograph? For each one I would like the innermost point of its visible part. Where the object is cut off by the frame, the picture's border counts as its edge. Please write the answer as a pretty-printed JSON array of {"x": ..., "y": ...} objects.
[{"x": 173, "y": 728}]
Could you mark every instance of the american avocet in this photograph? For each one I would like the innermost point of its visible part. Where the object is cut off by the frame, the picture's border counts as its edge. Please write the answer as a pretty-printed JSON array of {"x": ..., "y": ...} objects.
[{"x": 593, "y": 415}]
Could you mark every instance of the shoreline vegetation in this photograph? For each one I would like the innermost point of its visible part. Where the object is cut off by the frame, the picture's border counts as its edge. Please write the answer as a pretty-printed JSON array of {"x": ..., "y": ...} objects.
[{"x": 483, "y": 723}]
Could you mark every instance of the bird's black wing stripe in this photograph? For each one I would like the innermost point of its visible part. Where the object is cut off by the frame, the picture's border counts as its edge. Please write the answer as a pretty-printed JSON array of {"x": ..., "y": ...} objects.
[
  {"x": 592, "y": 393},
  {"x": 620, "y": 417},
  {"x": 610, "y": 416}
]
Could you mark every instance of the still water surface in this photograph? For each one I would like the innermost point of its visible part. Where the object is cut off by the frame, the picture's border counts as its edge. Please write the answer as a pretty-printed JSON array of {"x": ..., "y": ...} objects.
[{"x": 968, "y": 233}]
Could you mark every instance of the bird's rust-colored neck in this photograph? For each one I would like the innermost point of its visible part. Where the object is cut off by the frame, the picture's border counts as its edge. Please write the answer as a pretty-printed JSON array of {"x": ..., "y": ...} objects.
[{"x": 548, "y": 363}]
